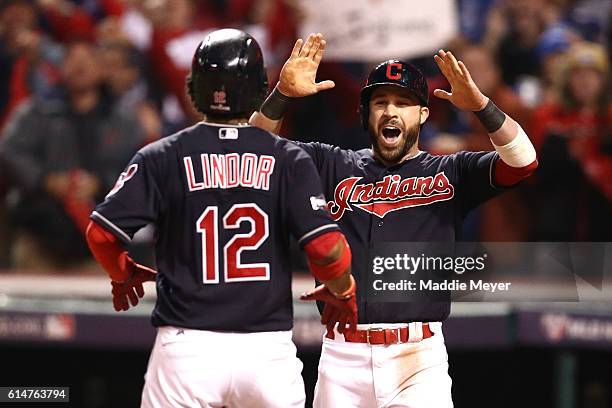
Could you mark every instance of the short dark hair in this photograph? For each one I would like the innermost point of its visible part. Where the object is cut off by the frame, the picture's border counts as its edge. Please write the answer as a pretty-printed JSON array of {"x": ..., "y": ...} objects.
[{"x": 192, "y": 94}]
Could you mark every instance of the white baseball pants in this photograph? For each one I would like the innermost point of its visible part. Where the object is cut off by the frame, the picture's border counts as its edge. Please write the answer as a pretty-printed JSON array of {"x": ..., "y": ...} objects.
[
  {"x": 410, "y": 375},
  {"x": 196, "y": 368}
]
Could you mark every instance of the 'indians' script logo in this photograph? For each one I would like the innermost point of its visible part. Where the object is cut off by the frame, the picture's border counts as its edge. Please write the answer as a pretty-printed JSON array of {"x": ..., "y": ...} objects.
[{"x": 390, "y": 194}]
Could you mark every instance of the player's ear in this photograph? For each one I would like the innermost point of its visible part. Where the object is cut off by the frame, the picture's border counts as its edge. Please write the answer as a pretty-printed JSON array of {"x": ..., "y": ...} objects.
[{"x": 424, "y": 114}]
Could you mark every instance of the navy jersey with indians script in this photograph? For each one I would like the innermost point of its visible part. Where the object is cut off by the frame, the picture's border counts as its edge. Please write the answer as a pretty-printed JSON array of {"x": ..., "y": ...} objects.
[
  {"x": 224, "y": 200},
  {"x": 423, "y": 199}
]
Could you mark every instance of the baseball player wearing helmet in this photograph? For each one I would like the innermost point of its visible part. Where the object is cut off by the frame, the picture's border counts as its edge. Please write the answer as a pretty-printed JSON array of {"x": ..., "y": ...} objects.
[
  {"x": 224, "y": 197},
  {"x": 396, "y": 192}
]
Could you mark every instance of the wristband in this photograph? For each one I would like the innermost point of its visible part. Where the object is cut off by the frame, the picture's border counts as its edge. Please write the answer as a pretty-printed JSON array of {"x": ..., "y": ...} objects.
[
  {"x": 275, "y": 104},
  {"x": 491, "y": 117},
  {"x": 334, "y": 269}
]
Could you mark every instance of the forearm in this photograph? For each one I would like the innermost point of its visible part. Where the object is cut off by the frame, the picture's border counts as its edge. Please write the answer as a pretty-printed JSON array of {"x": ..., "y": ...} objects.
[
  {"x": 270, "y": 115},
  {"x": 261, "y": 121},
  {"x": 109, "y": 252},
  {"x": 507, "y": 136},
  {"x": 517, "y": 154},
  {"x": 329, "y": 258}
]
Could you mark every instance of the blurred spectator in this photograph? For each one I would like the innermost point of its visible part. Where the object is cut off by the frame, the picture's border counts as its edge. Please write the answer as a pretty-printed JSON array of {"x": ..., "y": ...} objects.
[
  {"x": 467, "y": 129},
  {"x": 173, "y": 39},
  {"x": 68, "y": 21},
  {"x": 62, "y": 156},
  {"x": 21, "y": 70},
  {"x": 574, "y": 139},
  {"x": 590, "y": 18},
  {"x": 121, "y": 66},
  {"x": 473, "y": 18},
  {"x": 17, "y": 21},
  {"x": 551, "y": 49},
  {"x": 486, "y": 74},
  {"x": 513, "y": 30},
  {"x": 177, "y": 26},
  {"x": 27, "y": 57}
]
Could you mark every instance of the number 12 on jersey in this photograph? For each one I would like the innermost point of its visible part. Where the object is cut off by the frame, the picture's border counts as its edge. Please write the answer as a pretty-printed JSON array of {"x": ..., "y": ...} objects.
[{"x": 234, "y": 269}]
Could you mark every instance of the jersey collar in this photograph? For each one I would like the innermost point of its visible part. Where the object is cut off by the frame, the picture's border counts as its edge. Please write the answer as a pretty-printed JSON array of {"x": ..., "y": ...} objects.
[
  {"x": 226, "y": 125},
  {"x": 370, "y": 157}
]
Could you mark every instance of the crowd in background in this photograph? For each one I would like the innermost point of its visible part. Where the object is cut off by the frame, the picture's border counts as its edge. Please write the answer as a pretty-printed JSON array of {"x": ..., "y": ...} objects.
[{"x": 86, "y": 83}]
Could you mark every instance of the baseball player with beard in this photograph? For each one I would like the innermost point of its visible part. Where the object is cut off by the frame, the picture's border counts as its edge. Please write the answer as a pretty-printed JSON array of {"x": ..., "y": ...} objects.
[{"x": 395, "y": 192}]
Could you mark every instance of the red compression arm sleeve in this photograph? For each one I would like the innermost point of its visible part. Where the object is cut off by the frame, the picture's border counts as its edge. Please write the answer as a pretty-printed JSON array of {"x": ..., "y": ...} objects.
[
  {"x": 319, "y": 250},
  {"x": 109, "y": 252}
]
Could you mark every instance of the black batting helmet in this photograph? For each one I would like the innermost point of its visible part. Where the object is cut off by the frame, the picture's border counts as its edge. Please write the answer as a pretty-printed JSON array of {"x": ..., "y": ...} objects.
[
  {"x": 228, "y": 77},
  {"x": 393, "y": 72}
]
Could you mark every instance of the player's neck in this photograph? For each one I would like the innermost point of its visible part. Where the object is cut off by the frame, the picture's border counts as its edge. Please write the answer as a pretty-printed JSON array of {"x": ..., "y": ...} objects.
[
  {"x": 221, "y": 121},
  {"x": 413, "y": 152}
]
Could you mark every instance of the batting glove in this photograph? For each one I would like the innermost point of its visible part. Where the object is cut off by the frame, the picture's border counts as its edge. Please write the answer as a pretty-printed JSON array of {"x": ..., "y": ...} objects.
[
  {"x": 130, "y": 290},
  {"x": 340, "y": 309}
]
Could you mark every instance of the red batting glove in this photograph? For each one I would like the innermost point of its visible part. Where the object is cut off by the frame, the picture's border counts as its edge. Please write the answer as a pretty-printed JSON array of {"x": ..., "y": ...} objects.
[
  {"x": 128, "y": 291},
  {"x": 339, "y": 309}
]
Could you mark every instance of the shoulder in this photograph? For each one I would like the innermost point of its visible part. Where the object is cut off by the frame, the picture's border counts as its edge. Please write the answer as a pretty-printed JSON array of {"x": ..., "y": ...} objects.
[
  {"x": 159, "y": 148},
  {"x": 293, "y": 151},
  {"x": 170, "y": 142},
  {"x": 459, "y": 159},
  {"x": 335, "y": 152},
  {"x": 470, "y": 155},
  {"x": 454, "y": 157},
  {"x": 428, "y": 159},
  {"x": 356, "y": 154}
]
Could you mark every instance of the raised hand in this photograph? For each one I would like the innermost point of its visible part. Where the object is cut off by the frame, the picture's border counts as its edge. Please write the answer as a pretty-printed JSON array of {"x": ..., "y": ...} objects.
[
  {"x": 464, "y": 93},
  {"x": 297, "y": 78}
]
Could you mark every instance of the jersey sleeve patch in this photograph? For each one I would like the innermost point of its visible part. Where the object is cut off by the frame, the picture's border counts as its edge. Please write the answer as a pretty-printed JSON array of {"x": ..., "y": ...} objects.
[
  {"x": 319, "y": 203},
  {"x": 124, "y": 177}
]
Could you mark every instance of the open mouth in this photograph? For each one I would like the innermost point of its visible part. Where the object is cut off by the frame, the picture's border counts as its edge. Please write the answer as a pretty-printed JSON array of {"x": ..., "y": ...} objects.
[{"x": 391, "y": 134}]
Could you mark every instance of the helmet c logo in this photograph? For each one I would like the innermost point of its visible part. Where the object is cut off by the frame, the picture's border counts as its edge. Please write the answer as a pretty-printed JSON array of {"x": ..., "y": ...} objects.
[{"x": 394, "y": 74}]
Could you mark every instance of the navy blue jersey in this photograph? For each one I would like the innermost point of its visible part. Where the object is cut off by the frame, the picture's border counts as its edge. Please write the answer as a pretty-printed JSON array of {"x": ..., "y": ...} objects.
[
  {"x": 423, "y": 199},
  {"x": 224, "y": 200}
]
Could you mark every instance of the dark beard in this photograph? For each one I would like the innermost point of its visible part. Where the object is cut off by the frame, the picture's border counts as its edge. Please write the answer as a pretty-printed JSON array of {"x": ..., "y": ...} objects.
[{"x": 394, "y": 156}]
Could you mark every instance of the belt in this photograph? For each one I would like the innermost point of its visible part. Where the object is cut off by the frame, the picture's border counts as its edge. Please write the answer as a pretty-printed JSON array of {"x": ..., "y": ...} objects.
[{"x": 384, "y": 336}]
